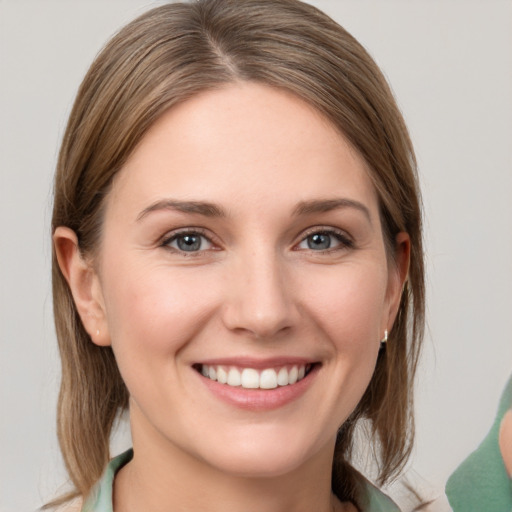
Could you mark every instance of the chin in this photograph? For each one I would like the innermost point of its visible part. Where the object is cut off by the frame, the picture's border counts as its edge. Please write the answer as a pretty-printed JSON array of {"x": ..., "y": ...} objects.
[
  {"x": 265, "y": 458},
  {"x": 245, "y": 466}
]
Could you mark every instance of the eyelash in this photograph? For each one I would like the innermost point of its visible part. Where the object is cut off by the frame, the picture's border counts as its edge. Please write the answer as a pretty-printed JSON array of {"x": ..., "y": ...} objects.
[
  {"x": 198, "y": 232},
  {"x": 345, "y": 242}
]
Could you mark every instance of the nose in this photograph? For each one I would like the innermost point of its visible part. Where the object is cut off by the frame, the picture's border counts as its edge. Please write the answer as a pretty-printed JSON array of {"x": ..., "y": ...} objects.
[{"x": 261, "y": 300}]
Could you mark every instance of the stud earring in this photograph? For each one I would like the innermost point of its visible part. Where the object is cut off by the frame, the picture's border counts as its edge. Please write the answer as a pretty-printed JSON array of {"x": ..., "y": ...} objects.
[{"x": 385, "y": 339}]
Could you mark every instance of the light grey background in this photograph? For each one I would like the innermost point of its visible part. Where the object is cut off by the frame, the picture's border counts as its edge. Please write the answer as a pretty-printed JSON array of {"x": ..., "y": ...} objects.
[{"x": 450, "y": 64}]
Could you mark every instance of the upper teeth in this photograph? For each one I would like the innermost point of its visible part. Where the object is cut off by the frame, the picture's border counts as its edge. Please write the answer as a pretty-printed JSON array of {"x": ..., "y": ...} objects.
[{"x": 250, "y": 378}]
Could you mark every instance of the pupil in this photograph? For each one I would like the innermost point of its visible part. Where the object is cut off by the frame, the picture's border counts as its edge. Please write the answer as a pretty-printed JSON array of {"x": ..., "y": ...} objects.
[
  {"x": 319, "y": 241},
  {"x": 189, "y": 243}
]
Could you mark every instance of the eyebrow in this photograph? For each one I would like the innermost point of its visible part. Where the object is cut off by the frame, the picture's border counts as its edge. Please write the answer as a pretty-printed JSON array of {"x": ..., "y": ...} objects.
[
  {"x": 199, "y": 207},
  {"x": 327, "y": 205},
  {"x": 212, "y": 210}
]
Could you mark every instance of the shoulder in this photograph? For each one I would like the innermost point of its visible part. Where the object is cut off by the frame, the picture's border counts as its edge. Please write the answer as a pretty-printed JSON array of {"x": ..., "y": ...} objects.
[{"x": 100, "y": 497}]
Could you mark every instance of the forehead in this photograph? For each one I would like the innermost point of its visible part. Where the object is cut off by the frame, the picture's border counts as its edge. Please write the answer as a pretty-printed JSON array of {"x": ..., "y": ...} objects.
[{"x": 244, "y": 144}]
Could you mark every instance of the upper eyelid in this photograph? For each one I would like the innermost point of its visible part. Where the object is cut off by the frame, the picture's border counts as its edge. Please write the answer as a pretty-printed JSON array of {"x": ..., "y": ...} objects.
[
  {"x": 325, "y": 229},
  {"x": 169, "y": 235}
]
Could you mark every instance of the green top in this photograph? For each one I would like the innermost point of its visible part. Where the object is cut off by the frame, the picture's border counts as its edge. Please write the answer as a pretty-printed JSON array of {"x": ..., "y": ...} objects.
[
  {"x": 369, "y": 498},
  {"x": 481, "y": 481}
]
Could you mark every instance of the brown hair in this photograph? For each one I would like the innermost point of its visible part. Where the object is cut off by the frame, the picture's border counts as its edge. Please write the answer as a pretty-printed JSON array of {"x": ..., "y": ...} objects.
[{"x": 166, "y": 56}]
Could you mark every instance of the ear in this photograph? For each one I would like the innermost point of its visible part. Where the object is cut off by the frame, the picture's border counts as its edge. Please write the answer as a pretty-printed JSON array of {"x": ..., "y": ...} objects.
[
  {"x": 398, "y": 272},
  {"x": 84, "y": 284}
]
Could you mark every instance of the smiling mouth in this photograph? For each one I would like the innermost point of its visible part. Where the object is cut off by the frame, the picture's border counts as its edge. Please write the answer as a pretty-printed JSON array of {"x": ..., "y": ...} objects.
[{"x": 251, "y": 378}]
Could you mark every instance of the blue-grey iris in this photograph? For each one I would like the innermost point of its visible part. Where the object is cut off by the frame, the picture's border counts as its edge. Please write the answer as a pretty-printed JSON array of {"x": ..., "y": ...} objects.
[
  {"x": 189, "y": 242},
  {"x": 319, "y": 241}
]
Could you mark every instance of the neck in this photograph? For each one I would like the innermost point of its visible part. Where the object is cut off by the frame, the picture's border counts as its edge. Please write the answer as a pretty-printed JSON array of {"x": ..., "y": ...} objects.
[{"x": 162, "y": 477}]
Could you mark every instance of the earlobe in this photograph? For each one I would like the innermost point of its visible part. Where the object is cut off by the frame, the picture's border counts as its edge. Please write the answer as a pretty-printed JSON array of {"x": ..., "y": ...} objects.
[{"x": 84, "y": 284}]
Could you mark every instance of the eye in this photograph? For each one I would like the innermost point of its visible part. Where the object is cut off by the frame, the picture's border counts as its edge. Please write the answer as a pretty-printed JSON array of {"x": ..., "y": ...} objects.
[
  {"x": 325, "y": 240},
  {"x": 188, "y": 241}
]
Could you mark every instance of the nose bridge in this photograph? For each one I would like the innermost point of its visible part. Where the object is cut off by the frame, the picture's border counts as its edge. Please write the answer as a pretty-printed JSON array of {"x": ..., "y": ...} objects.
[{"x": 261, "y": 298}]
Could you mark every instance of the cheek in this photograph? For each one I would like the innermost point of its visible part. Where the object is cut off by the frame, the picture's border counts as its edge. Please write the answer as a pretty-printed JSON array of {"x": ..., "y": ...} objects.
[
  {"x": 154, "y": 310},
  {"x": 349, "y": 312},
  {"x": 345, "y": 306},
  {"x": 350, "y": 304}
]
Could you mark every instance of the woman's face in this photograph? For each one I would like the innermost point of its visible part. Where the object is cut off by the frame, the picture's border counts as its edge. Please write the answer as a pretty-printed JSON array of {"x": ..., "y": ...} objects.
[{"x": 242, "y": 241}]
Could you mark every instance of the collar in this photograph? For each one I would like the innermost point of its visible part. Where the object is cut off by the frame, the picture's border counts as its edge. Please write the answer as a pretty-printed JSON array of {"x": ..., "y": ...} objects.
[{"x": 368, "y": 497}]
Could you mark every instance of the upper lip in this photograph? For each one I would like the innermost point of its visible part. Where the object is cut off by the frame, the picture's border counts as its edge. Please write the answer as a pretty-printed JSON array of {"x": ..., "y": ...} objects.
[{"x": 257, "y": 363}]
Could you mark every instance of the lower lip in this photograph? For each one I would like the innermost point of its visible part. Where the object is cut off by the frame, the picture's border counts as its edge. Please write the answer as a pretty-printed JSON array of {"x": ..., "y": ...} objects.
[{"x": 260, "y": 399}]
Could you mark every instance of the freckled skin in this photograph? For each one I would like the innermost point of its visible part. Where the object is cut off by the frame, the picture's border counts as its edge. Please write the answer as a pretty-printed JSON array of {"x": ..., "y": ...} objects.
[{"x": 256, "y": 288}]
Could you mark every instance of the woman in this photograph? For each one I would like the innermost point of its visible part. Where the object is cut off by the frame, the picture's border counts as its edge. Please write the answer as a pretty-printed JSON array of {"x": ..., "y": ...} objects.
[{"x": 238, "y": 259}]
